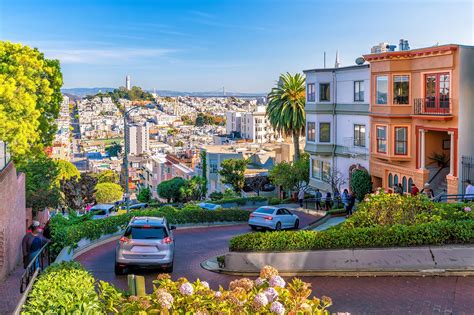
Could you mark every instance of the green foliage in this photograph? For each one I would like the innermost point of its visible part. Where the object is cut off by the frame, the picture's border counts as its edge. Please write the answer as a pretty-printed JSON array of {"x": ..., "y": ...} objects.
[
  {"x": 361, "y": 184},
  {"x": 66, "y": 170},
  {"x": 30, "y": 98},
  {"x": 216, "y": 195},
  {"x": 440, "y": 158},
  {"x": 285, "y": 109},
  {"x": 144, "y": 195},
  {"x": 114, "y": 149},
  {"x": 240, "y": 201},
  {"x": 194, "y": 189},
  {"x": 108, "y": 192},
  {"x": 274, "y": 201},
  {"x": 203, "y": 156},
  {"x": 134, "y": 94},
  {"x": 208, "y": 119},
  {"x": 432, "y": 233},
  {"x": 232, "y": 172},
  {"x": 41, "y": 183},
  {"x": 171, "y": 189},
  {"x": 107, "y": 176},
  {"x": 291, "y": 176},
  {"x": 79, "y": 192}
]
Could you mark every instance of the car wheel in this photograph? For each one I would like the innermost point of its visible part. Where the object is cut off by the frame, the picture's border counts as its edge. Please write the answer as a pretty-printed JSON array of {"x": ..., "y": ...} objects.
[
  {"x": 278, "y": 226},
  {"x": 297, "y": 224},
  {"x": 118, "y": 270},
  {"x": 169, "y": 269},
  {"x": 253, "y": 227}
]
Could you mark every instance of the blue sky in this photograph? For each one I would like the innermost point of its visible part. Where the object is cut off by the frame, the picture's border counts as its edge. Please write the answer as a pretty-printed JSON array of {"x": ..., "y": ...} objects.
[{"x": 204, "y": 45}]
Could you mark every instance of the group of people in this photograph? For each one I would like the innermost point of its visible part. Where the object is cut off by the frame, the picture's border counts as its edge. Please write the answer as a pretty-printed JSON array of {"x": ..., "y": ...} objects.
[
  {"x": 34, "y": 240},
  {"x": 326, "y": 203}
]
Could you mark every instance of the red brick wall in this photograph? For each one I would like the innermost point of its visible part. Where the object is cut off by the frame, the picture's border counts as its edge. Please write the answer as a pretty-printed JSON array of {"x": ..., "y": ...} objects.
[{"x": 12, "y": 218}]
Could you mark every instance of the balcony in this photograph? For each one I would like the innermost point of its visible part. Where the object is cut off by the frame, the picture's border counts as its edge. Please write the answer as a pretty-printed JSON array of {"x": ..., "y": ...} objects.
[{"x": 433, "y": 107}]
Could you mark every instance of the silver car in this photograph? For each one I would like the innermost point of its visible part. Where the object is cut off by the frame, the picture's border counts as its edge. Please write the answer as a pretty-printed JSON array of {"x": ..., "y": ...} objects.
[
  {"x": 147, "y": 242},
  {"x": 273, "y": 218}
]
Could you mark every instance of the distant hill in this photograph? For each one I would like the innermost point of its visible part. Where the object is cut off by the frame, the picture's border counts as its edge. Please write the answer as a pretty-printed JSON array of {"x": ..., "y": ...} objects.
[{"x": 81, "y": 92}]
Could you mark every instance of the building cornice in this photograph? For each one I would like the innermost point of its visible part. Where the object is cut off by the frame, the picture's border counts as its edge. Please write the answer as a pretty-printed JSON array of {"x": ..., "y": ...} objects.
[{"x": 410, "y": 54}]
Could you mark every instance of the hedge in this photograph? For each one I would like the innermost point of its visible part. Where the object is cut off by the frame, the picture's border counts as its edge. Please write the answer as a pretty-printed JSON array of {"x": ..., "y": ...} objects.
[
  {"x": 64, "y": 234},
  {"x": 433, "y": 233},
  {"x": 240, "y": 201}
]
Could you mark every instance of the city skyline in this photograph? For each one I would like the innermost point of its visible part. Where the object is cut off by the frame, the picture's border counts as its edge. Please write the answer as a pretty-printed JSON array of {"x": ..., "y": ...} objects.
[{"x": 190, "y": 46}]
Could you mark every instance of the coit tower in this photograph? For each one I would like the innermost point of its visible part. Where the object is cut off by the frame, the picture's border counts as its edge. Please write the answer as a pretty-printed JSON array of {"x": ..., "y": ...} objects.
[{"x": 127, "y": 82}]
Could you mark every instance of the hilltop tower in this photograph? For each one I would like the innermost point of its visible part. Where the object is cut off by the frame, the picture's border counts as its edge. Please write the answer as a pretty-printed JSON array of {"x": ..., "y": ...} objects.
[{"x": 127, "y": 83}]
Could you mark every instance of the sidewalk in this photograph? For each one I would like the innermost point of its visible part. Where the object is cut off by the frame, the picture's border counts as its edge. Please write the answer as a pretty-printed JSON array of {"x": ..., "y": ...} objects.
[{"x": 10, "y": 291}]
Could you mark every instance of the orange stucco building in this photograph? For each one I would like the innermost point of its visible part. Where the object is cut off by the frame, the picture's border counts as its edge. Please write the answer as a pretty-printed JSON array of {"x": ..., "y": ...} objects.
[{"x": 422, "y": 104}]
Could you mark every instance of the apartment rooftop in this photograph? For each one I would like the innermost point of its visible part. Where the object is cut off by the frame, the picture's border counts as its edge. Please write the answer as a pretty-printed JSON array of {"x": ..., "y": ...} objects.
[
  {"x": 337, "y": 69},
  {"x": 243, "y": 148}
]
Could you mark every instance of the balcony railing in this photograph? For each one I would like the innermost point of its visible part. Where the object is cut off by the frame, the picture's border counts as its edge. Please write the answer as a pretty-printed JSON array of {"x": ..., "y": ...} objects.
[{"x": 433, "y": 106}]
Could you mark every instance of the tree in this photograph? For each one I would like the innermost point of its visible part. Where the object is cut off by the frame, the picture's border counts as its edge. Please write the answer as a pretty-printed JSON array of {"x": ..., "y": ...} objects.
[
  {"x": 144, "y": 195},
  {"x": 171, "y": 189},
  {"x": 41, "y": 183},
  {"x": 336, "y": 179},
  {"x": 232, "y": 173},
  {"x": 286, "y": 108},
  {"x": 66, "y": 170},
  {"x": 79, "y": 192},
  {"x": 108, "y": 192},
  {"x": 292, "y": 176},
  {"x": 108, "y": 176},
  {"x": 114, "y": 149},
  {"x": 194, "y": 189},
  {"x": 256, "y": 183},
  {"x": 204, "y": 165},
  {"x": 361, "y": 183},
  {"x": 30, "y": 98}
]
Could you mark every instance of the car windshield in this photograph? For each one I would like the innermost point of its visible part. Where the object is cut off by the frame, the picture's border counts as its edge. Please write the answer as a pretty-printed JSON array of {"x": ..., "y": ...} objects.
[
  {"x": 265, "y": 210},
  {"x": 99, "y": 212},
  {"x": 146, "y": 232}
]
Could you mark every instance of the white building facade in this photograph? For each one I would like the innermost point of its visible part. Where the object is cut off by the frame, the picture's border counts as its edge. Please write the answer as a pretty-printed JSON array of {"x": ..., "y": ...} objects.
[
  {"x": 252, "y": 125},
  {"x": 138, "y": 139},
  {"x": 337, "y": 123}
]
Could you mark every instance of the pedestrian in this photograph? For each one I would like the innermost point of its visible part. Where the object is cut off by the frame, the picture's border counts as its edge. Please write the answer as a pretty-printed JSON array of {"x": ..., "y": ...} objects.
[
  {"x": 400, "y": 189},
  {"x": 414, "y": 190},
  {"x": 32, "y": 243},
  {"x": 345, "y": 201},
  {"x": 317, "y": 198},
  {"x": 301, "y": 196},
  {"x": 328, "y": 201},
  {"x": 469, "y": 191},
  {"x": 337, "y": 198},
  {"x": 352, "y": 200},
  {"x": 427, "y": 191}
]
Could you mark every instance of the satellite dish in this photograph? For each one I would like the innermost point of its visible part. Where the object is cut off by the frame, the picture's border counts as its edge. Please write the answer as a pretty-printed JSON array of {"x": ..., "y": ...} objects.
[{"x": 360, "y": 61}]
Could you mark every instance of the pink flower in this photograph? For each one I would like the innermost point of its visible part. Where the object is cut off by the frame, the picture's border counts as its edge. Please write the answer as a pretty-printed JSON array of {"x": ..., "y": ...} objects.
[
  {"x": 277, "y": 308},
  {"x": 260, "y": 300},
  {"x": 467, "y": 209},
  {"x": 186, "y": 289},
  {"x": 259, "y": 282},
  {"x": 271, "y": 294},
  {"x": 205, "y": 284},
  {"x": 277, "y": 281}
]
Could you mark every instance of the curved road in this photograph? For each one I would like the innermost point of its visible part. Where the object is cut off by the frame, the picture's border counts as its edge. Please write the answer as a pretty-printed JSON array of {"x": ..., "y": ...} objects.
[{"x": 364, "y": 295}]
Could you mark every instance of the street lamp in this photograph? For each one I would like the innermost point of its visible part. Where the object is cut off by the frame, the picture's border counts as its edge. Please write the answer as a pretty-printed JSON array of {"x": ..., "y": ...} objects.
[{"x": 125, "y": 159}]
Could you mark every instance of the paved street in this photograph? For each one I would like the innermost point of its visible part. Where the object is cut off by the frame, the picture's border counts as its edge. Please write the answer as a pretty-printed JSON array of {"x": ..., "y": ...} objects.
[{"x": 381, "y": 295}]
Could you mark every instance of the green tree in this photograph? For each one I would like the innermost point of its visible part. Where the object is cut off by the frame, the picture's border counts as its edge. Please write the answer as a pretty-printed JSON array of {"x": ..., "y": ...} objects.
[
  {"x": 30, "y": 98},
  {"x": 144, "y": 195},
  {"x": 114, "y": 149},
  {"x": 66, "y": 170},
  {"x": 194, "y": 189},
  {"x": 108, "y": 176},
  {"x": 291, "y": 176},
  {"x": 108, "y": 192},
  {"x": 285, "y": 109},
  {"x": 232, "y": 172},
  {"x": 361, "y": 183},
  {"x": 41, "y": 183},
  {"x": 171, "y": 189}
]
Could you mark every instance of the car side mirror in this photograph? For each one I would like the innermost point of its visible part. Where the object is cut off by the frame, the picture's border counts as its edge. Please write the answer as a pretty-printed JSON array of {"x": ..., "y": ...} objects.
[{"x": 173, "y": 227}]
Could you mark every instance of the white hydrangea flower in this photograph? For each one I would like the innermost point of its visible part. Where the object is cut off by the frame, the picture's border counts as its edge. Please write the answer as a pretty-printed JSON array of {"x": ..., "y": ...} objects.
[
  {"x": 260, "y": 300},
  {"x": 277, "y": 281},
  {"x": 271, "y": 294},
  {"x": 186, "y": 289},
  {"x": 277, "y": 308}
]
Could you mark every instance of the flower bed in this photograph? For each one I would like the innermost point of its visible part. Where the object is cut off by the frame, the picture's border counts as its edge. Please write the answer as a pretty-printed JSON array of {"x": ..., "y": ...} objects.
[
  {"x": 67, "y": 288},
  {"x": 65, "y": 233}
]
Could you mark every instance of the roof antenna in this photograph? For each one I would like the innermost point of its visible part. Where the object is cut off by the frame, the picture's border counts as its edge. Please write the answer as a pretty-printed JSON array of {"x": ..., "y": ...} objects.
[
  {"x": 324, "y": 60},
  {"x": 337, "y": 63}
]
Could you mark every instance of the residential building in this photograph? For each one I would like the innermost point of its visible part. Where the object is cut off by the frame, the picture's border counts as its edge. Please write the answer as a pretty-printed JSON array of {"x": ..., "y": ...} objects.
[
  {"x": 337, "y": 122},
  {"x": 138, "y": 138},
  {"x": 252, "y": 125},
  {"x": 422, "y": 104}
]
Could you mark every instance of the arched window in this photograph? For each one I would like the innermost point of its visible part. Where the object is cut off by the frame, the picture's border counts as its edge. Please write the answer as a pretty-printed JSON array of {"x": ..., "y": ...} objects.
[
  {"x": 404, "y": 184},
  {"x": 390, "y": 180},
  {"x": 395, "y": 180},
  {"x": 410, "y": 182}
]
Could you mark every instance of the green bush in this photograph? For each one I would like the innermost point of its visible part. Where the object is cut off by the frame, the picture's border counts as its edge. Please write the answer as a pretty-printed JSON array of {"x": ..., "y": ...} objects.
[
  {"x": 432, "y": 233},
  {"x": 361, "y": 184},
  {"x": 240, "y": 201},
  {"x": 108, "y": 192},
  {"x": 216, "y": 195},
  {"x": 274, "y": 201}
]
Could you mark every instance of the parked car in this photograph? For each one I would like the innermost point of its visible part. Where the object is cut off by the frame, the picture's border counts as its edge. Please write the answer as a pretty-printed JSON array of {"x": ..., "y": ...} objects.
[
  {"x": 102, "y": 210},
  {"x": 147, "y": 242},
  {"x": 135, "y": 206},
  {"x": 209, "y": 206},
  {"x": 273, "y": 218}
]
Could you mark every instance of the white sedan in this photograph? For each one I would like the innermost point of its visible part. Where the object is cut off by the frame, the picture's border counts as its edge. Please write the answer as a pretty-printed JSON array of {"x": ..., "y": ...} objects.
[
  {"x": 209, "y": 206},
  {"x": 273, "y": 218}
]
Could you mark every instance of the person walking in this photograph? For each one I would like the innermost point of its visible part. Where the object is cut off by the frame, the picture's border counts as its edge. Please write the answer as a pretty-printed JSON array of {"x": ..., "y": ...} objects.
[
  {"x": 337, "y": 198},
  {"x": 427, "y": 191},
  {"x": 32, "y": 243},
  {"x": 469, "y": 191},
  {"x": 317, "y": 198},
  {"x": 301, "y": 196},
  {"x": 352, "y": 200},
  {"x": 345, "y": 201},
  {"x": 328, "y": 202},
  {"x": 414, "y": 190}
]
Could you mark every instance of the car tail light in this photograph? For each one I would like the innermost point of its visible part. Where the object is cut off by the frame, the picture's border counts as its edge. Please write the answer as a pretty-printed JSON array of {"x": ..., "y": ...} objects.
[
  {"x": 268, "y": 218},
  {"x": 252, "y": 215},
  {"x": 124, "y": 239},
  {"x": 167, "y": 240}
]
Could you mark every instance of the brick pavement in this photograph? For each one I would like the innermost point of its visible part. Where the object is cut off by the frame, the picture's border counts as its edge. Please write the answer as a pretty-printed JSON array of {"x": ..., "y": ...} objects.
[
  {"x": 10, "y": 291},
  {"x": 364, "y": 295}
]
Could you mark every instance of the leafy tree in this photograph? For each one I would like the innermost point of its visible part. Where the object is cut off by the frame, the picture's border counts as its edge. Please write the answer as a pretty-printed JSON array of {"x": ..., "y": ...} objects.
[
  {"x": 30, "y": 99},
  {"x": 41, "y": 183},
  {"x": 79, "y": 192},
  {"x": 114, "y": 150},
  {"x": 171, "y": 189},
  {"x": 66, "y": 170},
  {"x": 144, "y": 195},
  {"x": 216, "y": 195},
  {"x": 336, "y": 179},
  {"x": 232, "y": 173},
  {"x": 285, "y": 109},
  {"x": 194, "y": 189},
  {"x": 361, "y": 183},
  {"x": 108, "y": 192},
  {"x": 256, "y": 183},
  {"x": 292, "y": 176},
  {"x": 108, "y": 176},
  {"x": 204, "y": 165}
]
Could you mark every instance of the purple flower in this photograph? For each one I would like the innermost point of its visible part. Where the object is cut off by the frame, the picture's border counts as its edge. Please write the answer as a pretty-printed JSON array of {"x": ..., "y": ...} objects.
[
  {"x": 277, "y": 308},
  {"x": 218, "y": 294},
  {"x": 271, "y": 294},
  {"x": 259, "y": 282},
  {"x": 186, "y": 289},
  {"x": 277, "y": 281},
  {"x": 205, "y": 284},
  {"x": 260, "y": 300},
  {"x": 467, "y": 209}
]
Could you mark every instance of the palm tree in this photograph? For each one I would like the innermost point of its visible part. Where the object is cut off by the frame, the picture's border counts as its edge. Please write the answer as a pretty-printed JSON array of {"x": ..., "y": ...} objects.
[{"x": 285, "y": 109}]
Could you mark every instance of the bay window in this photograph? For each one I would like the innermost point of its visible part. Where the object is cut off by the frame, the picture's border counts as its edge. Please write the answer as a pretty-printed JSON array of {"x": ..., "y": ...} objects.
[
  {"x": 381, "y": 89},
  {"x": 401, "y": 89}
]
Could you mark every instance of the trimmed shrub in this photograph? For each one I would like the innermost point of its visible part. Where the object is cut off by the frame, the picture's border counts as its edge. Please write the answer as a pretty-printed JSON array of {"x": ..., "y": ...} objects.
[
  {"x": 361, "y": 184},
  {"x": 240, "y": 201}
]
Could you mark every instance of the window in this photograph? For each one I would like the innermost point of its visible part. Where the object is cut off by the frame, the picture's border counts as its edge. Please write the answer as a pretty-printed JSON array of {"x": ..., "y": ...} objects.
[
  {"x": 359, "y": 135},
  {"x": 324, "y": 92},
  {"x": 321, "y": 170},
  {"x": 401, "y": 89},
  {"x": 311, "y": 136},
  {"x": 404, "y": 184},
  {"x": 310, "y": 92},
  {"x": 324, "y": 132},
  {"x": 395, "y": 180},
  {"x": 401, "y": 140},
  {"x": 382, "y": 89},
  {"x": 381, "y": 139},
  {"x": 358, "y": 91},
  {"x": 212, "y": 166},
  {"x": 326, "y": 169},
  {"x": 410, "y": 183},
  {"x": 390, "y": 180},
  {"x": 315, "y": 169}
]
